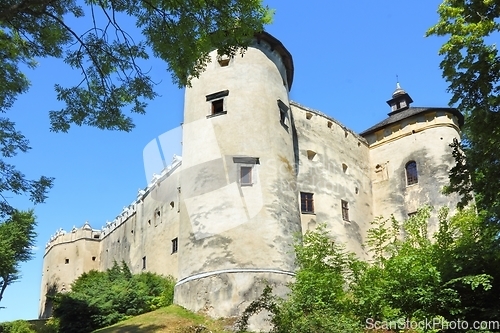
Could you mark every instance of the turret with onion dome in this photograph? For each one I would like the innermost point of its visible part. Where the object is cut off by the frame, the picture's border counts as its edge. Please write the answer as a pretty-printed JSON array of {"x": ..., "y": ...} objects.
[{"x": 400, "y": 100}]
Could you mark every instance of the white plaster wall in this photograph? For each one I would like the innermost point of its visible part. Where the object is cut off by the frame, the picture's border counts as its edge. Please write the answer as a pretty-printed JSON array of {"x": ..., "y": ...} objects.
[
  {"x": 325, "y": 177},
  {"x": 145, "y": 233},
  {"x": 424, "y": 138},
  {"x": 68, "y": 257},
  {"x": 225, "y": 226}
]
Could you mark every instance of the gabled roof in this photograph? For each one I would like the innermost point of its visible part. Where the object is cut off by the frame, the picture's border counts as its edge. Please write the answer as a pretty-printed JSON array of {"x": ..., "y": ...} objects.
[{"x": 411, "y": 111}]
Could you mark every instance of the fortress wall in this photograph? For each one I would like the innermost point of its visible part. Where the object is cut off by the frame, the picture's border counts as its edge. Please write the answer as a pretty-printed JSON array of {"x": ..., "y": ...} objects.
[
  {"x": 144, "y": 239},
  {"x": 141, "y": 236},
  {"x": 333, "y": 166},
  {"x": 425, "y": 139}
]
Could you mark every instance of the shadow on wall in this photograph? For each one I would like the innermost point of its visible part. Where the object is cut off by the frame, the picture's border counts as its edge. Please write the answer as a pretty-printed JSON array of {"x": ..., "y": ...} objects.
[{"x": 52, "y": 290}]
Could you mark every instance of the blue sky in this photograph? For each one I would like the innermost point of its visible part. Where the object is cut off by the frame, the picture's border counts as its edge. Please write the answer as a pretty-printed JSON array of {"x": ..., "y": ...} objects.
[{"x": 346, "y": 55}]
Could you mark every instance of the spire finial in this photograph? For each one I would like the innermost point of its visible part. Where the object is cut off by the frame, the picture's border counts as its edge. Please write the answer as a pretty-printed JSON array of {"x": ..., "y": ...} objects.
[{"x": 398, "y": 90}]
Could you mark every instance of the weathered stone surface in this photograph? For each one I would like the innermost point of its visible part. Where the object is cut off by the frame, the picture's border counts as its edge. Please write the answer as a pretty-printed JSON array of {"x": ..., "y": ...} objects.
[{"x": 235, "y": 228}]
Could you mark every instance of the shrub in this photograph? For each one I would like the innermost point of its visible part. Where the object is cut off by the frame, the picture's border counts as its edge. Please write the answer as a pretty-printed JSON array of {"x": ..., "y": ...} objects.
[
  {"x": 104, "y": 298},
  {"x": 18, "y": 326}
]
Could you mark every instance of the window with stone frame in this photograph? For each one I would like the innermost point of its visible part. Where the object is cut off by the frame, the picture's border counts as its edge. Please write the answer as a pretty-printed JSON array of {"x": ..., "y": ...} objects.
[
  {"x": 307, "y": 202},
  {"x": 411, "y": 173},
  {"x": 217, "y": 103}
]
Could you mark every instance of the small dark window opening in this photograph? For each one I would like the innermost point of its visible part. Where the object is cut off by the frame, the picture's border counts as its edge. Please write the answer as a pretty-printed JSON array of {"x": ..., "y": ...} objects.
[
  {"x": 144, "y": 262},
  {"x": 158, "y": 213},
  {"x": 93, "y": 258},
  {"x": 345, "y": 210},
  {"x": 66, "y": 261},
  {"x": 283, "y": 113},
  {"x": 246, "y": 176},
  {"x": 411, "y": 173},
  {"x": 96, "y": 236},
  {"x": 175, "y": 245},
  {"x": 224, "y": 62},
  {"x": 283, "y": 116},
  {"x": 306, "y": 202},
  {"x": 218, "y": 106}
]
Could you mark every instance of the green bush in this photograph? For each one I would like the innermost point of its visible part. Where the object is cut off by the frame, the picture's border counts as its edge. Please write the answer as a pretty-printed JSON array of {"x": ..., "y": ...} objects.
[
  {"x": 50, "y": 326},
  {"x": 104, "y": 298},
  {"x": 410, "y": 279},
  {"x": 18, "y": 326}
]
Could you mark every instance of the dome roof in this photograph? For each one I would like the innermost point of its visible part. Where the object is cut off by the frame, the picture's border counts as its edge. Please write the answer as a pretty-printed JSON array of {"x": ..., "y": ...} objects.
[{"x": 398, "y": 91}]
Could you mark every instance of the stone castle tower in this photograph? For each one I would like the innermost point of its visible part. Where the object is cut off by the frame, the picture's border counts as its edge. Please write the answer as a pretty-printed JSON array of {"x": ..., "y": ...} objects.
[{"x": 256, "y": 169}]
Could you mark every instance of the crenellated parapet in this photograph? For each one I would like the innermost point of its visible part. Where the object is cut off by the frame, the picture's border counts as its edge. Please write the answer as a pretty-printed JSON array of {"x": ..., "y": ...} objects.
[
  {"x": 87, "y": 232},
  {"x": 130, "y": 210},
  {"x": 61, "y": 236}
]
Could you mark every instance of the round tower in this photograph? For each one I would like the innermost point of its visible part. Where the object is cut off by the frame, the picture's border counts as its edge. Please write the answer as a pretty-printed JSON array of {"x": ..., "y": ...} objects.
[
  {"x": 411, "y": 158},
  {"x": 239, "y": 206},
  {"x": 67, "y": 256}
]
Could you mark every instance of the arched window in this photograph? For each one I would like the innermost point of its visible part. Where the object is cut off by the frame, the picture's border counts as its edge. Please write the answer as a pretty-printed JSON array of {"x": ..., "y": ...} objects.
[{"x": 411, "y": 173}]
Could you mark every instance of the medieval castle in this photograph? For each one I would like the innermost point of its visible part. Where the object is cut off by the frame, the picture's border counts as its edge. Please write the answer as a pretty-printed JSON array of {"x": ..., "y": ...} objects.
[{"x": 257, "y": 169}]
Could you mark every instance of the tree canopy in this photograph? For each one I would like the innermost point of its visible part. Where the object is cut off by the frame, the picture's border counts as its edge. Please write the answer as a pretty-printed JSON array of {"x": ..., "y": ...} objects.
[
  {"x": 112, "y": 85},
  {"x": 181, "y": 33},
  {"x": 471, "y": 66},
  {"x": 17, "y": 238}
]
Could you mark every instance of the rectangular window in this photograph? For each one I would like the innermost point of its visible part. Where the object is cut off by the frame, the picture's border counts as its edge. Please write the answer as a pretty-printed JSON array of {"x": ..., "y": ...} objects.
[
  {"x": 283, "y": 113},
  {"x": 306, "y": 202},
  {"x": 345, "y": 210},
  {"x": 175, "y": 245},
  {"x": 245, "y": 175},
  {"x": 218, "y": 106},
  {"x": 144, "y": 262}
]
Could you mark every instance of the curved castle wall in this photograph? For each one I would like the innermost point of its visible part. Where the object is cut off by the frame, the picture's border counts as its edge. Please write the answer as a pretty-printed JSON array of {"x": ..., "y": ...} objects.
[
  {"x": 67, "y": 256},
  {"x": 425, "y": 139},
  {"x": 240, "y": 207}
]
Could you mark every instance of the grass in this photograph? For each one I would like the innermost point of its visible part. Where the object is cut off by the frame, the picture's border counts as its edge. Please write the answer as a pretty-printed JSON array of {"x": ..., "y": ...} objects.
[{"x": 170, "y": 319}]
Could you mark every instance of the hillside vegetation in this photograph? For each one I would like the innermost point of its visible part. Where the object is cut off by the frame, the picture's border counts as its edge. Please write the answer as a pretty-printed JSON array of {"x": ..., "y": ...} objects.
[{"x": 169, "y": 319}]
